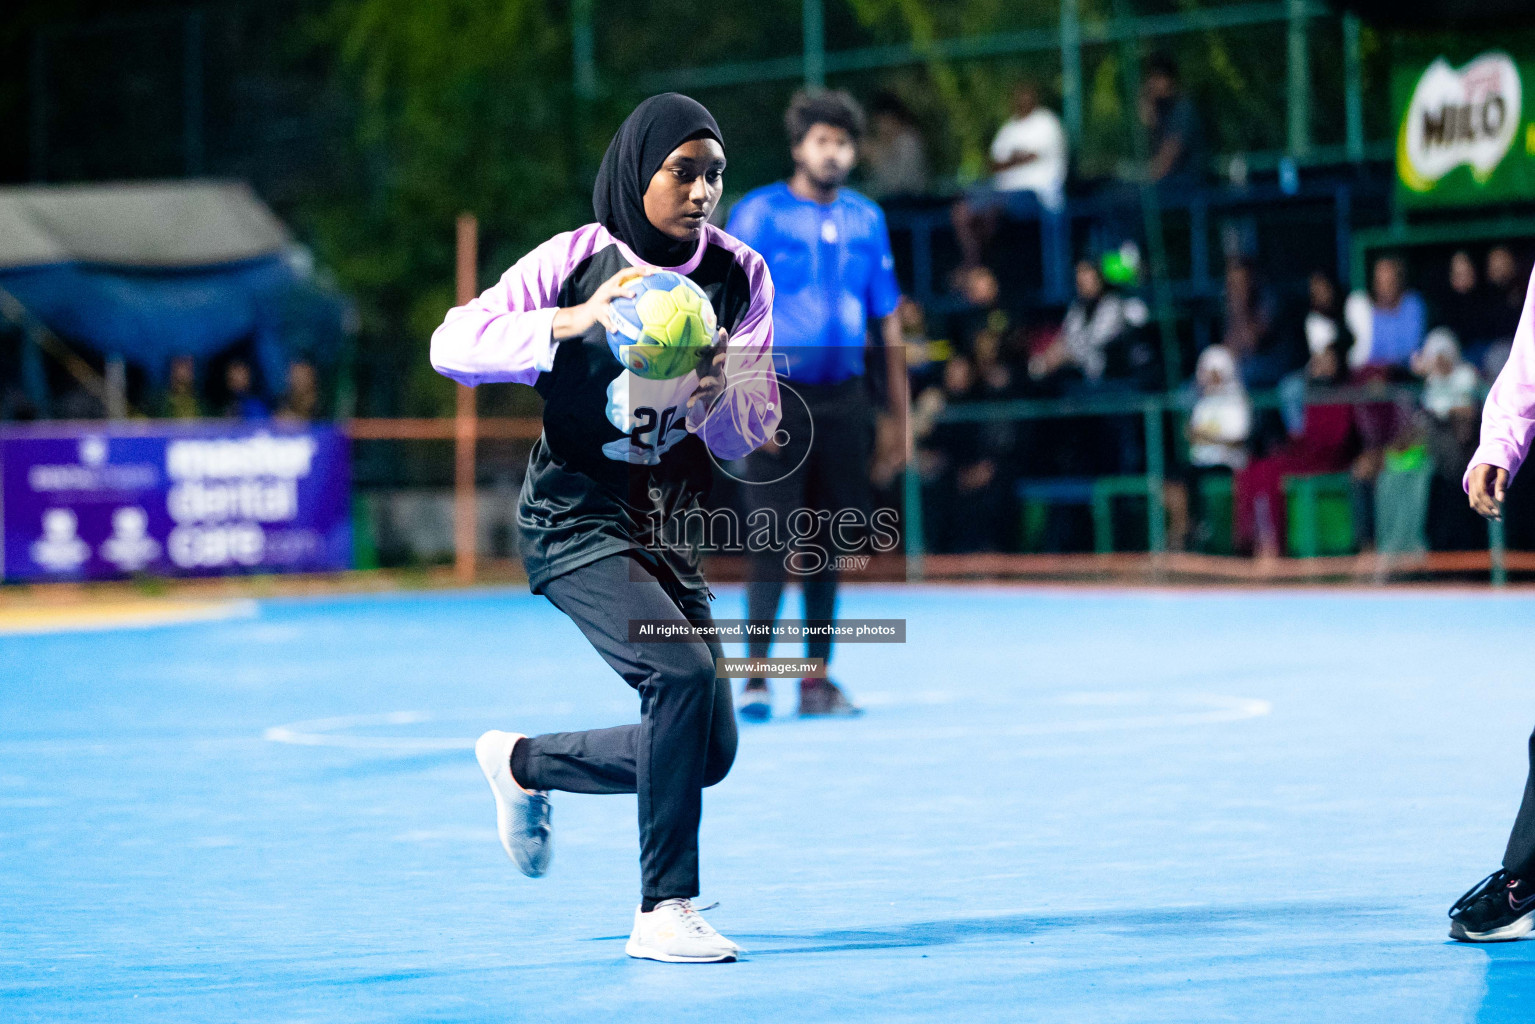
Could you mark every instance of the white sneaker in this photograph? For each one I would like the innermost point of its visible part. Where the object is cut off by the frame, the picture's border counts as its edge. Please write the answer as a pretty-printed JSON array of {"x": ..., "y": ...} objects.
[
  {"x": 678, "y": 934},
  {"x": 522, "y": 815}
]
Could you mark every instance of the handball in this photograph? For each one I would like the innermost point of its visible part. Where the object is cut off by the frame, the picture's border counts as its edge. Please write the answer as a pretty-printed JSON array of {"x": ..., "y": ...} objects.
[{"x": 662, "y": 332}]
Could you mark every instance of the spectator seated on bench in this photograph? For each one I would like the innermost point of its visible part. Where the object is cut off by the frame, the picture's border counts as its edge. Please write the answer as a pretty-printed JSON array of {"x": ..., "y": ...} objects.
[
  {"x": 963, "y": 471},
  {"x": 1218, "y": 428},
  {"x": 1327, "y": 443}
]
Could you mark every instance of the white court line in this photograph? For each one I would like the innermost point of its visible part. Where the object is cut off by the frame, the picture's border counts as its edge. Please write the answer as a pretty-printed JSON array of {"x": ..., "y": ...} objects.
[
  {"x": 320, "y": 732},
  {"x": 1201, "y": 709},
  {"x": 329, "y": 732},
  {"x": 1219, "y": 710},
  {"x": 1207, "y": 709}
]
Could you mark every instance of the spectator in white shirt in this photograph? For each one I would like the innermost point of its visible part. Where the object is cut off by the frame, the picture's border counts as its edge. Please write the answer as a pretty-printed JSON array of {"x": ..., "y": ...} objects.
[
  {"x": 1028, "y": 172},
  {"x": 893, "y": 156}
]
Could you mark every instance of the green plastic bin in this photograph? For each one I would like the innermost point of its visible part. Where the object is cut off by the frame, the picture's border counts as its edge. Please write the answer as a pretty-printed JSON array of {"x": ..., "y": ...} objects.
[
  {"x": 1219, "y": 507},
  {"x": 1321, "y": 514}
]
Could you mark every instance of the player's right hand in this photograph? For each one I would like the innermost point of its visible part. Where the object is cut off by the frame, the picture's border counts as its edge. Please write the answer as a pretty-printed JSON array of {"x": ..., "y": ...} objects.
[
  {"x": 1488, "y": 484},
  {"x": 577, "y": 320}
]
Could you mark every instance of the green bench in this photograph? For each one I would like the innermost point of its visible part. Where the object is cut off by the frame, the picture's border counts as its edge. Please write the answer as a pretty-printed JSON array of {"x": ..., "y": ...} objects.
[
  {"x": 1219, "y": 510},
  {"x": 1038, "y": 496}
]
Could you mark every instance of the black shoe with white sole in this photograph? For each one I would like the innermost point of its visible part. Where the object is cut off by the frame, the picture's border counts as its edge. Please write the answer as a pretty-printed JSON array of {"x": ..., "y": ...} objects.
[{"x": 1496, "y": 909}]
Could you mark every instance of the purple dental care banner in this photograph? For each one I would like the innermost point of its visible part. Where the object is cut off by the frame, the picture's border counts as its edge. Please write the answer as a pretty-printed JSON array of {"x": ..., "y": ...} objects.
[{"x": 83, "y": 501}]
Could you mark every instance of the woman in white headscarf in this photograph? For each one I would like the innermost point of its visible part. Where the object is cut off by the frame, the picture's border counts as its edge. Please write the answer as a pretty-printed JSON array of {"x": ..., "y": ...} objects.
[{"x": 1218, "y": 429}]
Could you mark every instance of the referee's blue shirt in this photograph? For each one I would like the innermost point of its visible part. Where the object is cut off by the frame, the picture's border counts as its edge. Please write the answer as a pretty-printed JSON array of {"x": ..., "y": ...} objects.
[{"x": 832, "y": 270}]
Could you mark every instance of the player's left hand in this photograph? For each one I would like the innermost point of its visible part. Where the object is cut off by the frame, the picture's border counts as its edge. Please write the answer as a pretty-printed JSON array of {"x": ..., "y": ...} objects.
[
  {"x": 1486, "y": 493},
  {"x": 711, "y": 378}
]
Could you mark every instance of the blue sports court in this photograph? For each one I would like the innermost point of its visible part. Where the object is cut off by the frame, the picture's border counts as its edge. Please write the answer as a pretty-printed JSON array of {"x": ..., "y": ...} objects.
[{"x": 1062, "y": 805}]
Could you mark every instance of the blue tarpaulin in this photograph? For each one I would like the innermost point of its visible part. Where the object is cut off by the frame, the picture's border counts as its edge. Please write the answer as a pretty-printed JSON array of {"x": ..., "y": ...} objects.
[
  {"x": 150, "y": 271},
  {"x": 148, "y": 317}
]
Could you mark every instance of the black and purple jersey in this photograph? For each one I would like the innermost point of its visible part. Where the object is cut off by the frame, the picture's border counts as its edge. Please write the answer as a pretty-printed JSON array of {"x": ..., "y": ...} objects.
[{"x": 619, "y": 454}]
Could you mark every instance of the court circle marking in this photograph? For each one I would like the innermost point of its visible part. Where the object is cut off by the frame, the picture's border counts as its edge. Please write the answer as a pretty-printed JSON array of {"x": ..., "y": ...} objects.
[
  {"x": 1158, "y": 710},
  {"x": 1165, "y": 711},
  {"x": 335, "y": 730},
  {"x": 327, "y": 732}
]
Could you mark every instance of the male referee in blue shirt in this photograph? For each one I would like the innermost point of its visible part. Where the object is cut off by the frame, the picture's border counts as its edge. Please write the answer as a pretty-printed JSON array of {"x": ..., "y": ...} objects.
[{"x": 829, "y": 253}]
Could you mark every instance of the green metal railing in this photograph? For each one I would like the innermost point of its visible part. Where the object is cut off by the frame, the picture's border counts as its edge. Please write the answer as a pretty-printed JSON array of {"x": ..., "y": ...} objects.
[
  {"x": 1068, "y": 38},
  {"x": 1153, "y": 410},
  {"x": 1401, "y": 235}
]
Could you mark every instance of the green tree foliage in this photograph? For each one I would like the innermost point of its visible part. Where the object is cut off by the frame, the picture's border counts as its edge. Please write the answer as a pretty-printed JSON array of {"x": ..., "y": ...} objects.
[
  {"x": 462, "y": 105},
  {"x": 467, "y": 105}
]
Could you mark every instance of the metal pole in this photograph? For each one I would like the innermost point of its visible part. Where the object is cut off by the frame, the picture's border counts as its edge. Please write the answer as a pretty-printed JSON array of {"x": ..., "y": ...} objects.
[
  {"x": 922, "y": 259},
  {"x": 1156, "y": 472},
  {"x": 583, "y": 62},
  {"x": 116, "y": 375},
  {"x": 583, "y": 50},
  {"x": 1353, "y": 90},
  {"x": 1071, "y": 70},
  {"x": 911, "y": 479},
  {"x": 1199, "y": 243},
  {"x": 911, "y": 493},
  {"x": 1151, "y": 203},
  {"x": 39, "y": 133},
  {"x": 34, "y": 373},
  {"x": 1497, "y": 549},
  {"x": 815, "y": 44},
  {"x": 1343, "y": 218},
  {"x": 192, "y": 92},
  {"x": 464, "y": 425},
  {"x": 346, "y": 372},
  {"x": 1298, "y": 64}
]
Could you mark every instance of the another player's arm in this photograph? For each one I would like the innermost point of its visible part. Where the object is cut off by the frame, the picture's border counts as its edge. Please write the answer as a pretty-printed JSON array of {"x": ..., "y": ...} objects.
[{"x": 1508, "y": 420}]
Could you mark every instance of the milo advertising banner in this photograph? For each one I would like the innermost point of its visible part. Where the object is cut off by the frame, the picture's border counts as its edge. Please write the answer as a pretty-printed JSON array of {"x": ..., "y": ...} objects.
[
  {"x": 1464, "y": 131},
  {"x": 87, "y": 501}
]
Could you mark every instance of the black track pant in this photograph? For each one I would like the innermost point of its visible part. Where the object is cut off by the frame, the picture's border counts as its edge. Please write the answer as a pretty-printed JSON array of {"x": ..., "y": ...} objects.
[
  {"x": 686, "y": 738},
  {"x": 1519, "y": 858}
]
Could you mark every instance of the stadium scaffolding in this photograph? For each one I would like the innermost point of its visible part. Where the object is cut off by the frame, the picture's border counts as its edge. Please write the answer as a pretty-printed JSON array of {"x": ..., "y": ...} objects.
[{"x": 1154, "y": 566}]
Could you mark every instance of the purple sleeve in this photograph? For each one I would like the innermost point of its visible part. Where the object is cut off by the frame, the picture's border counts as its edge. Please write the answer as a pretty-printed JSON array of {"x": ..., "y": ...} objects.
[
  {"x": 507, "y": 334},
  {"x": 748, "y": 412},
  {"x": 1508, "y": 418}
]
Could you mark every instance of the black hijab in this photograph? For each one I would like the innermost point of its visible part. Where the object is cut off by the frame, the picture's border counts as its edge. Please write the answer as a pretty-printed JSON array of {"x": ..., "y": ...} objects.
[{"x": 641, "y": 146}]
